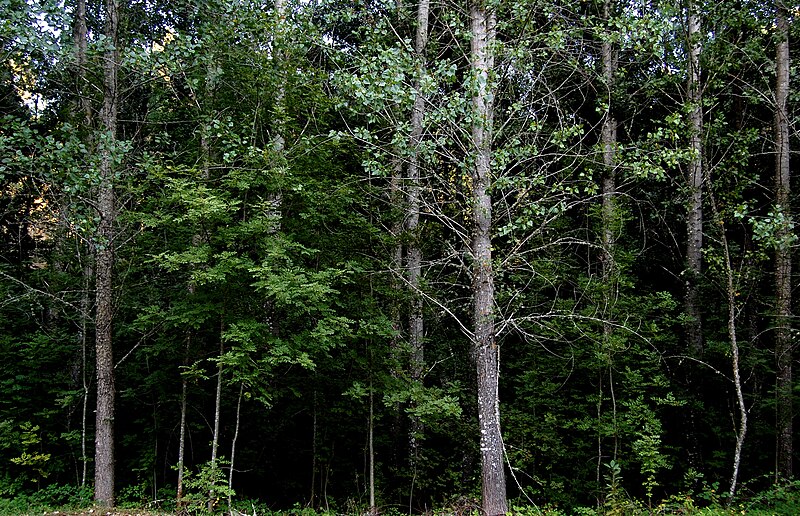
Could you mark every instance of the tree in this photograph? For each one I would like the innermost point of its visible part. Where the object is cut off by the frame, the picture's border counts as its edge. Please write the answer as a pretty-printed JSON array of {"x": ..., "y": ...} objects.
[
  {"x": 106, "y": 206},
  {"x": 298, "y": 184},
  {"x": 486, "y": 350},
  {"x": 694, "y": 219},
  {"x": 784, "y": 348},
  {"x": 416, "y": 332}
]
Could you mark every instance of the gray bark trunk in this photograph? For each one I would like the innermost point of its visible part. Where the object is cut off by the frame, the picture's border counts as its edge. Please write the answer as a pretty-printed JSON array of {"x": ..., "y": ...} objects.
[
  {"x": 741, "y": 431},
  {"x": 279, "y": 139},
  {"x": 609, "y": 227},
  {"x": 373, "y": 509},
  {"x": 415, "y": 323},
  {"x": 694, "y": 219},
  {"x": 217, "y": 411},
  {"x": 79, "y": 35},
  {"x": 783, "y": 255},
  {"x": 233, "y": 445},
  {"x": 609, "y": 186},
  {"x": 694, "y": 222},
  {"x": 87, "y": 274},
  {"x": 182, "y": 431},
  {"x": 487, "y": 352},
  {"x": 80, "y": 32},
  {"x": 104, "y": 431}
]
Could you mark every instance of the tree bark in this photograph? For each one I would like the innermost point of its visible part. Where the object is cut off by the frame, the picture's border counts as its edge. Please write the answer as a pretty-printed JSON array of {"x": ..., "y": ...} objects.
[
  {"x": 80, "y": 35},
  {"x": 609, "y": 223},
  {"x": 694, "y": 224},
  {"x": 84, "y": 341},
  {"x": 104, "y": 432},
  {"x": 312, "y": 500},
  {"x": 487, "y": 352},
  {"x": 182, "y": 432},
  {"x": 217, "y": 411},
  {"x": 373, "y": 509},
  {"x": 415, "y": 322},
  {"x": 609, "y": 183},
  {"x": 694, "y": 219},
  {"x": 233, "y": 445},
  {"x": 783, "y": 254},
  {"x": 741, "y": 431}
]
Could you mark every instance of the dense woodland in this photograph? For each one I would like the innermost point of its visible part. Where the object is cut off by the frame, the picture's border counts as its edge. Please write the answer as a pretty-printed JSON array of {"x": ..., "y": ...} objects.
[{"x": 390, "y": 255}]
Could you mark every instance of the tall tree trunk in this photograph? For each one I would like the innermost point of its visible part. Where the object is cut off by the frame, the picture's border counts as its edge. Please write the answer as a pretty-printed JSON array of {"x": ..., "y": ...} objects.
[
  {"x": 783, "y": 254},
  {"x": 209, "y": 113},
  {"x": 106, "y": 203},
  {"x": 487, "y": 353},
  {"x": 415, "y": 322},
  {"x": 609, "y": 222},
  {"x": 694, "y": 223},
  {"x": 609, "y": 186},
  {"x": 694, "y": 219},
  {"x": 79, "y": 34}
]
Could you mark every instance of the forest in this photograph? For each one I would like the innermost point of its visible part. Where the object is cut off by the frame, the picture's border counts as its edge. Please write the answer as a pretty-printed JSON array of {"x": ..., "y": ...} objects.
[{"x": 398, "y": 256}]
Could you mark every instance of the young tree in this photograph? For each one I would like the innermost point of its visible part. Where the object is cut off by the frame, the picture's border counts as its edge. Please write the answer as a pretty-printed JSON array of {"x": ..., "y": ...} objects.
[{"x": 80, "y": 39}]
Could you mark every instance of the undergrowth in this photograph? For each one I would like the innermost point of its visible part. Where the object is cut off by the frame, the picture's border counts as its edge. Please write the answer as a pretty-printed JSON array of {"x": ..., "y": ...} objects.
[{"x": 779, "y": 500}]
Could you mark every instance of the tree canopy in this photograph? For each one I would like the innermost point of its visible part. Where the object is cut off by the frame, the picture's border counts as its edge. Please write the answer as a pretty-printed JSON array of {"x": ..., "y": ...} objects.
[{"x": 383, "y": 256}]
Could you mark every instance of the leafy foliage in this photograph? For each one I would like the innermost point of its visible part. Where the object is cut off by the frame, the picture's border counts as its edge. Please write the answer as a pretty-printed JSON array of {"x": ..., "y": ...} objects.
[{"x": 262, "y": 203}]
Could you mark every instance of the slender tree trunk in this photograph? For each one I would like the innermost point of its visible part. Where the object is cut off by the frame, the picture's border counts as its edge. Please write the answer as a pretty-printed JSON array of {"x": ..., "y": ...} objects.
[
  {"x": 104, "y": 432},
  {"x": 397, "y": 356},
  {"x": 233, "y": 445},
  {"x": 182, "y": 433},
  {"x": 79, "y": 35},
  {"x": 741, "y": 431},
  {"x": 209, "y": 112},
  {"x": 415, "y": 322},
  {"x": 694, "y": 220},
  {"x": 487, "y": 352},
  {"x": 783, "y": 255},
  {"x": 312, "y": 501},
  {"x": 84, "y": 376},
  {"x": 371, "y": 432},
  {"x": 217, "y": 410},
  {"x": 609, "y": 221}
]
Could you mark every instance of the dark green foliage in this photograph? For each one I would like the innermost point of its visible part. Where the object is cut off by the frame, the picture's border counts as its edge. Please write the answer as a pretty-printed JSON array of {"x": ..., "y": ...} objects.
[{"x": 259, "y": 207}]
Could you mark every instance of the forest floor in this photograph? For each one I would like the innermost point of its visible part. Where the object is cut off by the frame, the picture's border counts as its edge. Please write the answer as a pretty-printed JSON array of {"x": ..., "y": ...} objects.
[{"x": 105, "y": 512}]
